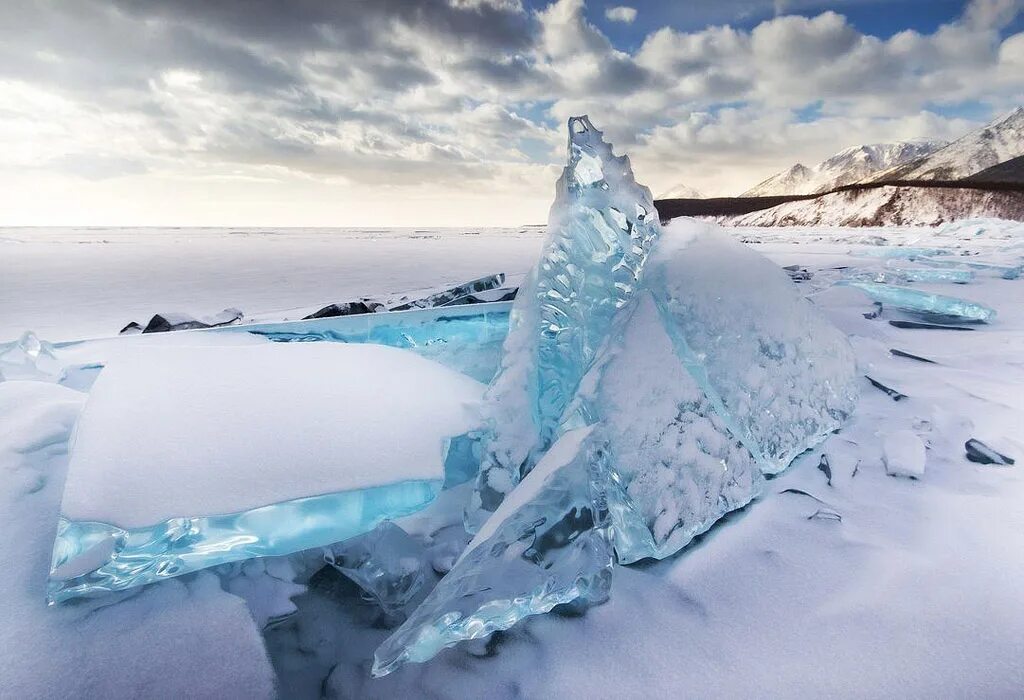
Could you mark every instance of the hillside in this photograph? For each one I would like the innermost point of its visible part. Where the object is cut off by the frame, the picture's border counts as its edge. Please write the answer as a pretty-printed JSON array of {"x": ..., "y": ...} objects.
[{"x": 889, "y": 206}]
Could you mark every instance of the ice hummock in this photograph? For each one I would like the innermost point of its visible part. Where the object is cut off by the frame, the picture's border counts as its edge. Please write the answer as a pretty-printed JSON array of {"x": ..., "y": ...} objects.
[
  {"x": 683, "y": 386},
  {"x": 601, "y": 228},
  {"x": 548, "y": 544}
]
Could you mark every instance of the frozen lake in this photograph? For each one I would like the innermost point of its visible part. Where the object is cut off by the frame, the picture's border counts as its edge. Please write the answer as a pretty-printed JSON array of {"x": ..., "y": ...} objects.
[
  {"x": 67, "y": 283},
  {"x": 856, "y": 584}
]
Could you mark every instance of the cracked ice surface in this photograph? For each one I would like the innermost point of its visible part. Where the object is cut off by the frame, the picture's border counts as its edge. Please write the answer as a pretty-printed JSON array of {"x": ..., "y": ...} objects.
[
  {"x": 548, "y": 544},
  {"x": 601, "y": 229}
]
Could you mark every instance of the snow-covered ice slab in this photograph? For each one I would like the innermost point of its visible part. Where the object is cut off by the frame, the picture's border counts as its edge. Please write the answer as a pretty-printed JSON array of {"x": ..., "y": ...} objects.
[
  {"x": 548, "y": 544},
  {"x": 188, "y": 457},
  {"x": 601, "y": 228},
  {"x": 922, "y": 302}
]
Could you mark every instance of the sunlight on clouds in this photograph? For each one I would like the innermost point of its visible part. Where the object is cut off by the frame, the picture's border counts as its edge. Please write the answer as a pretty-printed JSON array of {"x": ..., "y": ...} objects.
[{"x": 236, "y": 112}]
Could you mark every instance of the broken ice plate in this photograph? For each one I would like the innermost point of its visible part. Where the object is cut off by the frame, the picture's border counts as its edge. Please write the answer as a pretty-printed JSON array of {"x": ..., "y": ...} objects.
[{"x": 189, "y": 457}]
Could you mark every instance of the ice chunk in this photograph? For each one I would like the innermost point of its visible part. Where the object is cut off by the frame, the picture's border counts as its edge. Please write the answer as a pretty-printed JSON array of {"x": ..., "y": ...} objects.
[
  {"x": 923, "y": 302},
  {"x": 388, "y": 564},
  {"x": 888, "y": 390},
  {"x": 979, "y": 452},
  {"x": 467, "y": 340},
  {"x": 601, "y": 228},
  {"x": 454, "y": 294},
  {"x": 904, "y": 454},
  {"x": 548, "y": 544},
  {"x": 348, "y": 308},
  {"x": 29, "y": 358},
  {"x": 282, "y": 448},
  {"x": 177, "y": 321},
  {"x": 778, "y": 373},
  {"x": 678, "y": 467},
  {"x": 909, "y": 356}
]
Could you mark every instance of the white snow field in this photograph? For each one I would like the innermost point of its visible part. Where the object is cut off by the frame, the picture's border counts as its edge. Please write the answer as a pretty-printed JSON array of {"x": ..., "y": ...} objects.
[{"x": 840, "y": 580}]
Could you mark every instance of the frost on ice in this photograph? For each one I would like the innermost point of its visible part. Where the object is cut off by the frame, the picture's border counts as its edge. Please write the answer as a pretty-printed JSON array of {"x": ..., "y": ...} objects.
[{"x": 670, "y": 371}]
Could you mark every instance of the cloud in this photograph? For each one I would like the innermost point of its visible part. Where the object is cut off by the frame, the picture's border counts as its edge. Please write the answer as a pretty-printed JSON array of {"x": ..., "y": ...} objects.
[
  {"x": 453, "y": 99},
  {"x": 626, "y": 15}
]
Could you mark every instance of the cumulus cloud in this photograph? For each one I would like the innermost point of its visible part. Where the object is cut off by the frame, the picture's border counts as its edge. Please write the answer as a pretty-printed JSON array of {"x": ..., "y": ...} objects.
[
  {"x": 622, "y": 13},
  {"x": 438, "y": 98}
]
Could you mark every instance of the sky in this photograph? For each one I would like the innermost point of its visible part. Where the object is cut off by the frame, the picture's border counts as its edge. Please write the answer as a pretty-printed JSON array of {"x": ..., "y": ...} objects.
[{"x": 452, "y": 112}]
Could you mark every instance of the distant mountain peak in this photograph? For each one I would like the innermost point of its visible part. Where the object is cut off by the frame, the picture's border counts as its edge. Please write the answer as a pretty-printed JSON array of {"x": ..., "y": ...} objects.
[
  {"x": 1000, "y": 140},
  {"x": 681, "y": 192},
  {"x": 849, "y": 165}
]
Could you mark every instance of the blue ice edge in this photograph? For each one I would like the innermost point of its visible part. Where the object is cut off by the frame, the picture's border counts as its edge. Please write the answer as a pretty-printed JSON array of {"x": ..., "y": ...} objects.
[
  {"x": 91, "y": 558},
  {"x": 467, "y": 339}
]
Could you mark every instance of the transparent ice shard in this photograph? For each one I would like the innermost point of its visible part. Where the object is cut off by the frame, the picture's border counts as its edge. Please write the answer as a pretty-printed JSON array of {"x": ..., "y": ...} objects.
[
  {"x": 548, "y": 544},
  {"x": 388, "y": 564},
  {"x": 921, "y": 302},
  {"x": 28, "y": 357},
  {"x": 468, "y": 340},
  {"x": 601, "y": 228},
  {"x": 91, "y": 558}
]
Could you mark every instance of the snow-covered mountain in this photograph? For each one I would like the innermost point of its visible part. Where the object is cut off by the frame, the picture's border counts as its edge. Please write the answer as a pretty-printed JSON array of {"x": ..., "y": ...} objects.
[
  {"x": 889, "y": 206},
  {"x": 846, "y": 167},
  {"x": 990, "y": 145},
  {"x": 681, "y": 192}
]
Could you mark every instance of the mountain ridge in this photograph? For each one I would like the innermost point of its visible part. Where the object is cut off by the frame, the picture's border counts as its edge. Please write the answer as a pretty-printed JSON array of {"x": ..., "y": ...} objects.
[{"x": 846, "y": 167}]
